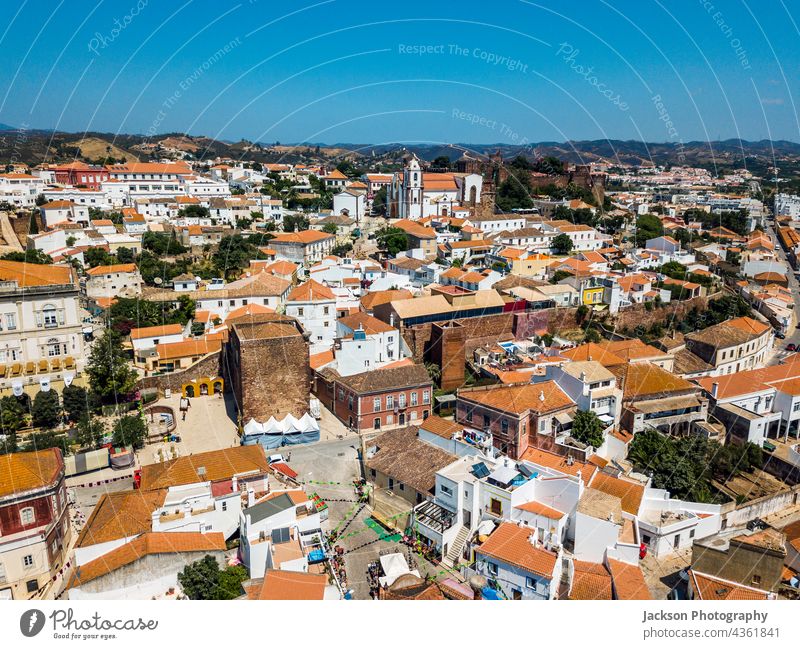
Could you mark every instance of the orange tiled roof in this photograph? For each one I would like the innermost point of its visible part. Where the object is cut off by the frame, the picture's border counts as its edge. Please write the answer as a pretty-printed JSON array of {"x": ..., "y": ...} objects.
[
  {"x": 539, "y": 509},
  {"x": 219, "y": 465},
  {"x": 441, "y": 427},
  {"x": 27, "y": 275},
  {"x": 628, "y": 581},
  {"x": 113, "y": 268},
  {"x": 287, "y": 585},
  {"x": 511, "y": 544},
  {"x": 188, "y": 348},
  {"x": 119, "y": 515},
  {"x": 518, "y": 399},
  {"x": 648, "y": 380},
  {"x": 375, "y": 298},
  {"x": 591, "y": 581},
  {"x": 560, "y": 463},
  {"x": 316, "y": 361},
  {"x": 370, "y": 324},
  {"x": 593, "y": 352},
  {"x": 144, "y": 545},
  {"x": 158, "y": 330},
  {"x": 248, "y": 310},
  {"x": 708, "y": 587},
  {"x": 21, "y": 472},
  {"x": 630, "y": 493},
  {"x": 304, "y": 237},
  {"x": 311, "y": 291}
]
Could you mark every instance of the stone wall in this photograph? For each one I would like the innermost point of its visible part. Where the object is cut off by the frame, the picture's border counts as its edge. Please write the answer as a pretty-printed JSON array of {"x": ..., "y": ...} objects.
[
  {"x": 638, "y": 314},
  {"x": 208, "y": 366},
  {"x": 487, "y": 330},
  {"x": 269, "y": 376}
]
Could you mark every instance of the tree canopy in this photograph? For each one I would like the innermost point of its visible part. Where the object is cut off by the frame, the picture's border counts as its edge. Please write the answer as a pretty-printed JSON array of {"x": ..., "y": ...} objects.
[
  {"x": 587, "y": 428},
  {"x": 204, "y": 580},
  {"x": 111, "y": 377},
  {"x": 393, "y": 240},
  {"x": 562, "y": 243}
]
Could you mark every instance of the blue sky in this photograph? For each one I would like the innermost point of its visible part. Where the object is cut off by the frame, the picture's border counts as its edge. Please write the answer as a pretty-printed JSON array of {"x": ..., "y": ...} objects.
[{"x": 372, "y": 72}]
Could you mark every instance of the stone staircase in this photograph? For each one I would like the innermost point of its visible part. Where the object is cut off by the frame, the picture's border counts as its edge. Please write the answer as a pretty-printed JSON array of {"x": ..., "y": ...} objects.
[{"x": 456, "y": 548}]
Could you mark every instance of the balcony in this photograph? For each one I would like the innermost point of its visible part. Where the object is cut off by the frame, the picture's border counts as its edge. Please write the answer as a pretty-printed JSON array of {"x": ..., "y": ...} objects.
[{"x": 434, "y": 516}]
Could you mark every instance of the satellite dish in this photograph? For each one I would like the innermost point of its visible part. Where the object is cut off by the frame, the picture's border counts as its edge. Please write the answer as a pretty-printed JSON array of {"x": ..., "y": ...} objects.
[{"x": 157, "y": 280}]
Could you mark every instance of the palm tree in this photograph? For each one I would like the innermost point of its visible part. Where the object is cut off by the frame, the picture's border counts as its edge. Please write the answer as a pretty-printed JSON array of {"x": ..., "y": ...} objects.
[{"x": 434, "y": 371}]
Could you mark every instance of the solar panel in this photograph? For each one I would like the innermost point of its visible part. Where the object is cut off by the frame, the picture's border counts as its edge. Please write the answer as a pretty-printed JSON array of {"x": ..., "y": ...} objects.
[
  {"x": 480, "y": 470},
  {"x": 281, "y": 535},
  {"x": 524, "y": 470}
]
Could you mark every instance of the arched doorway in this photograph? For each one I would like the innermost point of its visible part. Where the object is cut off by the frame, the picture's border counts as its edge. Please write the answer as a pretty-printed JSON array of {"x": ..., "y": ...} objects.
[
  {"x": 203, "y": 389},
  {"x": 189, "y": 391}
]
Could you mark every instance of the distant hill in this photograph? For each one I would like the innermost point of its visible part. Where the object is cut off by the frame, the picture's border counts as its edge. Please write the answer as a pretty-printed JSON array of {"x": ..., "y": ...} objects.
[
  {"x": 6, "y": 127},
  {"x": 47, "y": 146}
]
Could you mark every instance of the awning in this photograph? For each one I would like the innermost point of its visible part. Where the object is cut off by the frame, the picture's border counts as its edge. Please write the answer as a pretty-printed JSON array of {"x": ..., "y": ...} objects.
[{"x": 563, "y": 418}]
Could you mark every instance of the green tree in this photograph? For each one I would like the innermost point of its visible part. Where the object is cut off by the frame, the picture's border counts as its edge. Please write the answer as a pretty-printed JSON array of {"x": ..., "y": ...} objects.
[
  {"x": 441, "y": 162},
  {"x": 46, "y": 409},
  {"x": 558, "y": 276},
  {"x": 110, "y": 375},
  {"x": 203, "y": 580},
  {"x": 31, "y": 256},
  {"x": 295, "y": 223},
  {"x": 12, "y": 414},
  {"x": 648, "y": 226},
  {"x": 129, "y": 430},
  {"x": 161, "y": 243},
  {"x": 587, "y": 428},
  {"x": 76, "y": 402},
  {"x": 90, "y": 432},
  {"x": 515, "y": 191},
  {"x": 379, "y": 202},
  {"x": 125, "y": 256},
  {"x": 434, "y": 371},
  {"x": 562, "y": 244},
  {"x": 97, "y": 256},
  {"x": 393, "y": 240},
  {"x": 330, "y": 228},
  {"x": 232, "y": 255}
]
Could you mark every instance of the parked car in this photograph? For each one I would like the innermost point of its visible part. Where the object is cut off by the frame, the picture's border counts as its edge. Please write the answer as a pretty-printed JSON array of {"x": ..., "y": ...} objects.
[
  {"x": 277, "y": 457},
  {"x": 780, "y": 335},
  {"x": 791, "y": 347}
]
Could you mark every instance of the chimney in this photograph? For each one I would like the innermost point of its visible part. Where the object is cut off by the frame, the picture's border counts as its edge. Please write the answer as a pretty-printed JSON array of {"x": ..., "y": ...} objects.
[
  {"x": 234, "y": 484},
  {"x": 251, "y": 497},
  {"x": 541, "y": 396},
  {"x": 714, "y": 389}
]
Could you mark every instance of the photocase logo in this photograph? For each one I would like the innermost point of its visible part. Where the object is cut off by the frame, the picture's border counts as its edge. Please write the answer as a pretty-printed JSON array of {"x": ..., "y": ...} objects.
[{"x": 31, "y": 622}]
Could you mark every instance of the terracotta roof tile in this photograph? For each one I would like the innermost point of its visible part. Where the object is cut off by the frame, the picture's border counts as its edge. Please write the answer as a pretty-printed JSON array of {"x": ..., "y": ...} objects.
[
  {"x": 21, "y": 472},
  {"x": 219, "y": 465},
  {"x": 286, "y": 585},
  {"x": 144, "y": 545},
  {"x": 628, "y": 581},
  {"x": 511, "y": 544},
  {"x": 518, "y": 399}
]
